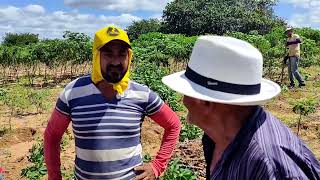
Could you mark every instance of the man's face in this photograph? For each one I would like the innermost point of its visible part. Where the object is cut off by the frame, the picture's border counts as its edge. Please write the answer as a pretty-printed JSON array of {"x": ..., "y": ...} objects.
[
  {"x": 195, "y": 111},
  {"x": 114, "y": 60},
  {"x": 289, "y": 33}
]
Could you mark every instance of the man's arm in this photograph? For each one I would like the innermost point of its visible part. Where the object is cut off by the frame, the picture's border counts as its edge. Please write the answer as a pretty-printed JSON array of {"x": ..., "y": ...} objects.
[
  {"x": 167, "y": 119},
  {"x": 57, "y": 125},
  {"x": 297, "y": 41}
]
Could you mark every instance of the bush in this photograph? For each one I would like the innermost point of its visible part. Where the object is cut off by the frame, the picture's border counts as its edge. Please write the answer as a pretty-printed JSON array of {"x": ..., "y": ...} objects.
[
  {"x": 143, "y": 27},
  {"x": 150, "y": 75},
  {"x": 159, "y": 48}
]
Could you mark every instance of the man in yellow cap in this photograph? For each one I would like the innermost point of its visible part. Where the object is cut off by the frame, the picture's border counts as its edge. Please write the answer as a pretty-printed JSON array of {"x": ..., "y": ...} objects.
[{"x": 106, "y": 109}]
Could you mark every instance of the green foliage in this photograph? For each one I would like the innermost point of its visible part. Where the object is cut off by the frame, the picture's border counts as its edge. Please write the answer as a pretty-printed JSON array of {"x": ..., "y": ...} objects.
[
  {"x": 147, "y": 158},
  {"x": 195, "y": 17},
  {"x": 259, "y": 41},
  {"x": 189, "y": 131},
  {"x": 309, "y": 52},
  {"x": 3, "y": 94},
  {"x": 313, "y": 34},
  {"x": 75, "y": 36},
  {"x": 3, "y": 131},
  {"x": 150, "y": 75},
  {"x": 17, "y": 98},
  {"x": 38, "y": 169},
  {"x": 305, "y": 107},
  {"x": 159, "y": 48},
  {"x": 14, "y": 39},
  {"x": 39, "y": 98},
  {"x": 68, "y": 175},
  {"x": 177, "y": 171},
  {"x": 64, "y": 141},
  {"x": 143, "y": 27}
]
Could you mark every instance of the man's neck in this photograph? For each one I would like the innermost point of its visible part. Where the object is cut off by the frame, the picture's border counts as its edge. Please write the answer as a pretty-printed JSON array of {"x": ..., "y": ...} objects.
[
  {"x": 224, "y": 126},
  {"x": 106, "y": 89}
]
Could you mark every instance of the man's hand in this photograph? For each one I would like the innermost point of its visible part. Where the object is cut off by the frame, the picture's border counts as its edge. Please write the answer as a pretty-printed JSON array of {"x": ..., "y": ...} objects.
[{"x": 145, "y": 172}]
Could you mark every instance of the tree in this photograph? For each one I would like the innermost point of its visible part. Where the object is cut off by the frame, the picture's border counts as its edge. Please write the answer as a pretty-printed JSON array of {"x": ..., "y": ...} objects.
[
  {"x": 195, "y": 17},
  {"x": 75, "y": 36},
  {"x": 142, "y": 27},
  {"x": 14, "y": 39}
]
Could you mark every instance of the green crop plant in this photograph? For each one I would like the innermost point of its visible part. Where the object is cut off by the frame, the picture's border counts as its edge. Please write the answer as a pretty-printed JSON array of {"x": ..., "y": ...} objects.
[
  {"x": 177, "y": 171},
  {"x": 17, "y": 100},
  {"x": 39, "y": 98},
  {"x": 188, "y": 131},
  {"x": 304, "y": 108},
  {"x": 36, "y": 157}
]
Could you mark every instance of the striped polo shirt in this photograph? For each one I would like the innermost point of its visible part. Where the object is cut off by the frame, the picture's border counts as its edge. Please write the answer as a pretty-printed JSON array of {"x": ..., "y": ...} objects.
[
  {"x": 107, "y": 132},
  {"x": 263, "y": 149}
]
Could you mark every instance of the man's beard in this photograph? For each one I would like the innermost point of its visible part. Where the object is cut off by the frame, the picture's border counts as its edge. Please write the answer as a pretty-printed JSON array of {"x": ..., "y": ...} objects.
[{"x": 114, "y": 73}]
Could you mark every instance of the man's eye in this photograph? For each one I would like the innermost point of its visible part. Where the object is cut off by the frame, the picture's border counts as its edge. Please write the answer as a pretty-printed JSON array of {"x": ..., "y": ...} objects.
[{"x": 107, "y": 54}]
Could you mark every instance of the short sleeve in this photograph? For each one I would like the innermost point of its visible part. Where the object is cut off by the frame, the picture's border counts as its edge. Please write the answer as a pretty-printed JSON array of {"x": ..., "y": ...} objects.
[
  {"x": 62, "y": 104},
  {"x": 154, "y": 103}
]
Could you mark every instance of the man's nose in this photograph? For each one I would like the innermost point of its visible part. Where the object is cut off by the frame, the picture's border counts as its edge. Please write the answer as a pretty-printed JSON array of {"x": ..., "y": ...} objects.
[{"x": 116, "y": 60}]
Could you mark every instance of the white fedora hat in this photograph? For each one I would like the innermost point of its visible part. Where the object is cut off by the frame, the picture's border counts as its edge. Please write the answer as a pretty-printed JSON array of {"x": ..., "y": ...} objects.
[{"x": 224, "y": 70}]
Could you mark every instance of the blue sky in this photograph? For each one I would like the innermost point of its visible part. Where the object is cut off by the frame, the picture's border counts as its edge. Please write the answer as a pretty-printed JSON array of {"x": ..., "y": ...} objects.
[{"x": 50, "y": 18}]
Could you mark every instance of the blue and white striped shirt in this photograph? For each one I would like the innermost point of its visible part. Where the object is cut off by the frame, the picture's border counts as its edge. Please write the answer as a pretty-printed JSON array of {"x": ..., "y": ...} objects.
[
  {"x": 107, "y": 132},
  {"x": 264, "y": 148}
]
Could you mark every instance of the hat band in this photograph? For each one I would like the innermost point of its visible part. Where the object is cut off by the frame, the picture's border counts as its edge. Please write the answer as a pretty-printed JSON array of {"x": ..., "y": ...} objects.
[{"x": 221, "y": 86}]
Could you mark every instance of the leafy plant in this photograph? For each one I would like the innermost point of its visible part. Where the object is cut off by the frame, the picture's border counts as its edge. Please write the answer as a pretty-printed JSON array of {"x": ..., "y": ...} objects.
[
  {"x": 304, "y": 108},
  {"x": 150, "y": 75},
  {"x": 3, "y": 131},
  {"x": 147, "y": 158},
  {"x": 188, "y": 131},
  {"x": 178, "y": 171},
  {"x": 39, "y": 99},
  {"x": 68, "y": 175},
  {"x": 38, "y": 169},
  {"x": 17, "y": 100}
]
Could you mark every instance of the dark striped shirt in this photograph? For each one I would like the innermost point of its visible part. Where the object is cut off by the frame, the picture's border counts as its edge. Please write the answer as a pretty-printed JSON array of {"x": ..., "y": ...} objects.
[{"x": 264, "y": 148}]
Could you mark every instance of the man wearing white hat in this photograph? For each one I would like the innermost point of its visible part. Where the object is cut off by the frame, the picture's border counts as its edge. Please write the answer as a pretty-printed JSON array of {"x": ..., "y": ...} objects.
[
  {"x": 293, "y": 46},
  {"x": 223, "y": 88}
]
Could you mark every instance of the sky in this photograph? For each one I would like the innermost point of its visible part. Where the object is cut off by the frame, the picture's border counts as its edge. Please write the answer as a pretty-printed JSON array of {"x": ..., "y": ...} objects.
[{"x": 50, "y": 18}]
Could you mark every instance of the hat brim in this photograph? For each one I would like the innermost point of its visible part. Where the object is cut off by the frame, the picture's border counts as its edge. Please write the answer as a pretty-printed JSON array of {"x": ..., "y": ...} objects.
[{"x": 180, "y": 83}]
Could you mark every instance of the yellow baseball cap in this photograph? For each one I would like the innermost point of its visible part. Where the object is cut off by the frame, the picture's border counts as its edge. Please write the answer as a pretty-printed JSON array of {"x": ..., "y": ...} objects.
[
  {"x": 109, "y": 33},
  {"x": 102, "y": 37}
]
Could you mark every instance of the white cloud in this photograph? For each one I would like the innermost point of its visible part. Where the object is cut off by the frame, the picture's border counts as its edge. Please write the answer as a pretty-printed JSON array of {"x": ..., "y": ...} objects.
[
  {"x": 37, "y": 9},
  {"x": 305, "y": 14},
  {"x": 35, "y": 19},
  {"x": 120, "y": 5}
]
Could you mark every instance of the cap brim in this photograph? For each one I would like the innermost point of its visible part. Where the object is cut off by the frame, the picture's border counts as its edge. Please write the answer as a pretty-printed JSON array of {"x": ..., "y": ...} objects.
[{"x": 180, "y": 83}]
